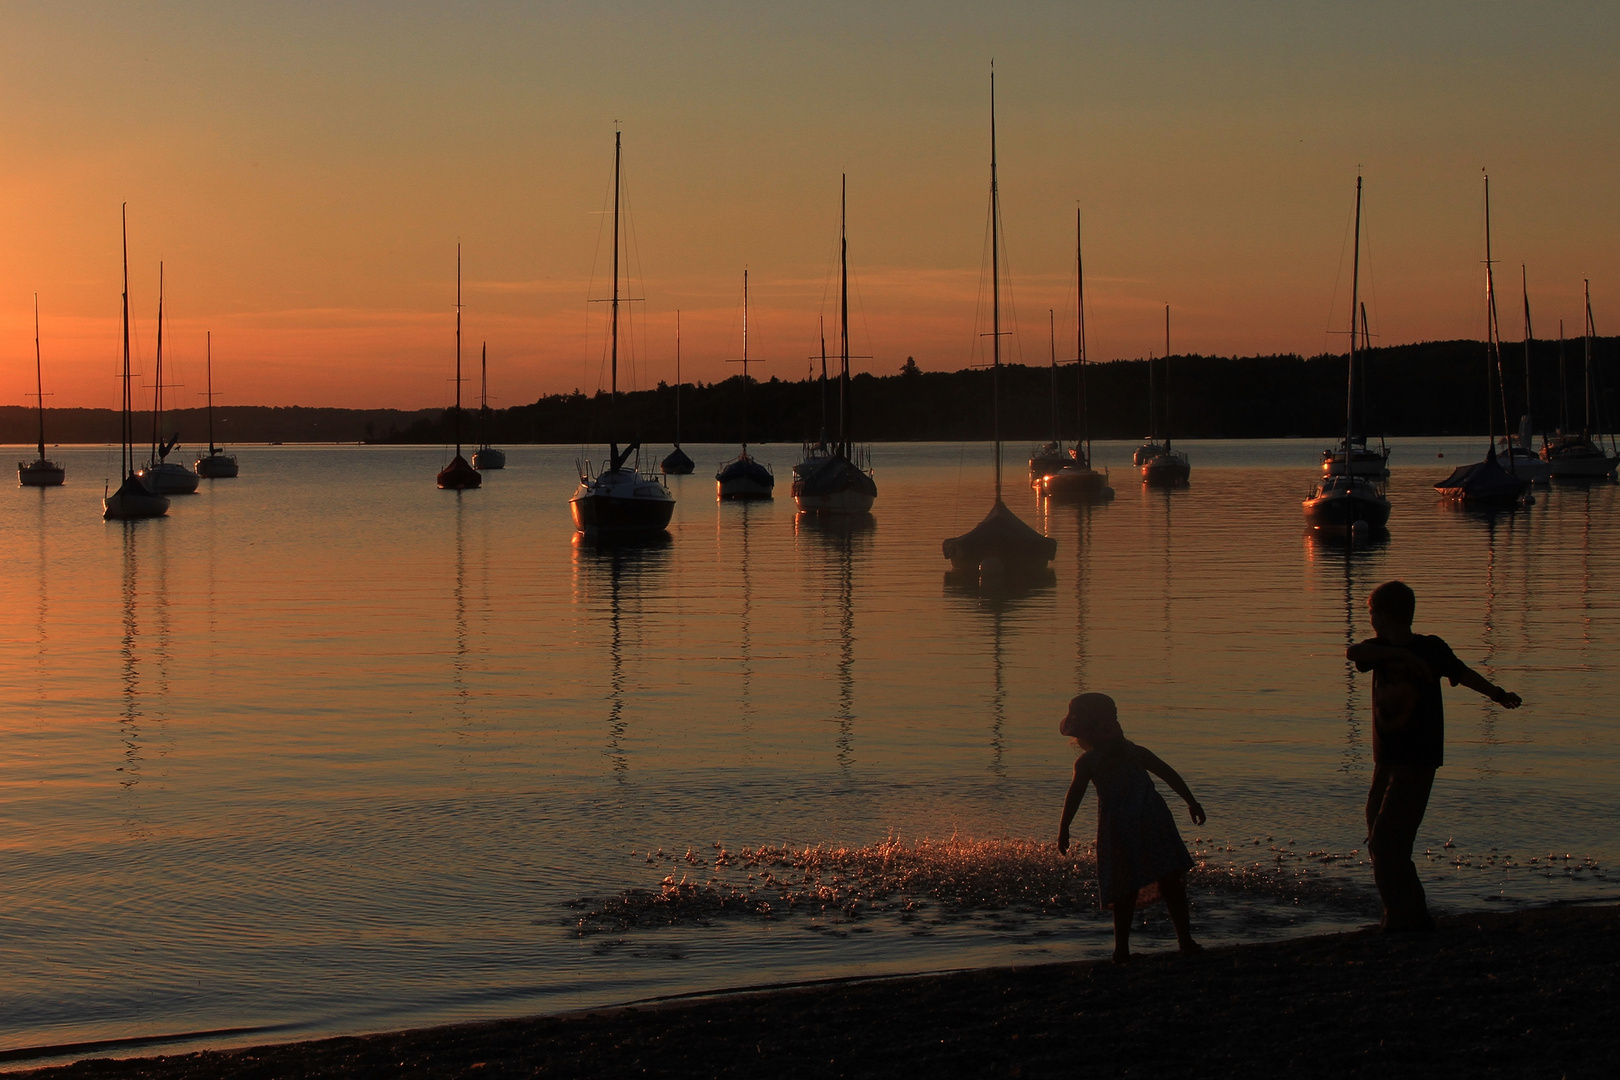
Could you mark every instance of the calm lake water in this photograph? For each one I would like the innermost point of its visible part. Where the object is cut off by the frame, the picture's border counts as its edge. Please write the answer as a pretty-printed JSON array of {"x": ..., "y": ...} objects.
[{"x": 328, "y": 750}]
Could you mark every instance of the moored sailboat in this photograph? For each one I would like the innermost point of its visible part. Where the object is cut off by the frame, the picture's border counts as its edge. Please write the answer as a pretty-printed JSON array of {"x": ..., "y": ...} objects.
[
  {"x": 486, "y": 457},
  {"x": 743, "y": 477},
  {"x": 676, "y": 462},
  {"x": 836, "y": 479},
  {"x": 160, "y": 474},
  {"x": 1001, "y": 546},
  {"x": 1580, "y": 456},
  {"x": 1164, "y": 465},
  {"x": 1075, "y": 480},
  {"x": 619, "y": 500},
  {"x": 41, "y": 472},
  {"x": 1348, "y": 500},
  {"x": 459, "y": 475},
  {"x": 216, "y": 464},
  {"x": 133, "y": 499},
  {"x": 1517, "y": 452},
  {"x": 1486, "y": 484}
]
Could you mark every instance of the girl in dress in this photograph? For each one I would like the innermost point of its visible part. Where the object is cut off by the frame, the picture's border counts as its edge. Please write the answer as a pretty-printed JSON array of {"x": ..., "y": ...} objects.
[{"x": 1140, "y": 856}]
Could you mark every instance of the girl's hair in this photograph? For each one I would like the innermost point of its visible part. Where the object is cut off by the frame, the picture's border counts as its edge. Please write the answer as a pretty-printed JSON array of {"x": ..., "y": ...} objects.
[{"x": 1093, "y": 721}]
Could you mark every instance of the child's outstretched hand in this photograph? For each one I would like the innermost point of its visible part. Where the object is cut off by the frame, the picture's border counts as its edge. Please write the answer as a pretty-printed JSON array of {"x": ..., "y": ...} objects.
[{"x": 1195, "y": 810}]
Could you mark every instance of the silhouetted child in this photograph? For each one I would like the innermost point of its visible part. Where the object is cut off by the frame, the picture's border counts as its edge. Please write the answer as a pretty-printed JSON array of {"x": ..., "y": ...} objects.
[
  {"x": 1408, "y": 739},
  {"x": 1140, "y": 856}
]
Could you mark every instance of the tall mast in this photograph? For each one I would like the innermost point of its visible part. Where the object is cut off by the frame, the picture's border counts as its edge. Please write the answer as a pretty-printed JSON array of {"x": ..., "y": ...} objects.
[
  {"x": 211, "y": 447},
  {"x": 1080, "y": 337},
  {"x": 822, "y": 442},
  {"x": 1563, "y": 385},
  {"x": 1586, "y": 338},
  {"x": 157, "y": 399},
  {"x": 1355, "y": 303},
  {"x": 1051, "y": 334},
  {"x": 677, "y": 378},
  {"x": 843, "y": 313},
  {"x": 613, "y": 398},
  {"x": 1524, "y": 277},
  {"x": 1366, "y": 346},
  {"x": 1167, "y": 377},
  {"x": 126, "y": 452},
  {"x": 458, "y": 349},
  {"x": 745, "y": 364},
  {"x": 995, "y": 287},
  {"x": 39, "y": 380},
  {"x": 483, "y": 403},
  {"x": 1493, "y": 338}
]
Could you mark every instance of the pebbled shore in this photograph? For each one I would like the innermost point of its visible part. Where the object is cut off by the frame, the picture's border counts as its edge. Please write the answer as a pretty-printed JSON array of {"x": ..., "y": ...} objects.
[{"x": 1513, "y": 994}]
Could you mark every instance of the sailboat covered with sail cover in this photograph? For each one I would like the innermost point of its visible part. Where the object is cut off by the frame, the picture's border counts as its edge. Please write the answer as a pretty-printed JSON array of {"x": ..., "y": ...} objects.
[
  {"x": 676, "y": 462},
  {"x": 41, "y": 472},
  {"x": 133, "y": 499},
  {"x": 1001, "y": 546},
  {"x": 486, "y": 457},
  {"x": 459, "y": 475},
  {"x": 744, "y": 477},
  {"x": 160, "y": 474},
  {"x": 1074, "y": 480},
  {"x": 1582, "y": 455},
  {"x": 216, "y": 464},
  {"x": 836, "y": 478}
]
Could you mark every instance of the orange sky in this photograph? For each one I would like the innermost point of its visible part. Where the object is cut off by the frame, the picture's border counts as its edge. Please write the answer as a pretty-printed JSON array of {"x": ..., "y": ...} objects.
[{"x": 304, "y": 172}]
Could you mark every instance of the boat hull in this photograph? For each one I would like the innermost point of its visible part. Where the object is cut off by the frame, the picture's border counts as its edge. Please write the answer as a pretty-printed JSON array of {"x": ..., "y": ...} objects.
[
  {"x": 744, "y": 478},
  {"x": 486, "y": 458},
  {"x": 1484, "y": 484},
  {"x": 1338, "y": 507},
  {"x": 168, "y": 478},
  {"x": 459, "y": 476},
  {"x": 621, "y": 503},
  {"x": 1373, "y": 464},
  {"x": 40, "y": 473},
  {"x": 1075, "y": 485},
  {"x": 1525, "y": 464},
  {"x": 833, "y": 485},
  {"x": 1168, "y": 469},
  {"x": 133, "y": 500},
  {"x": 218, "y": 466},
  {"x": 1000, "y": 546},
  {"x": 676, "y": 463}
]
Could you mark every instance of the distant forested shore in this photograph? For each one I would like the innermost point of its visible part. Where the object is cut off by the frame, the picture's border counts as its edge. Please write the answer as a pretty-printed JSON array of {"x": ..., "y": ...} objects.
[{"x": 1431, "y": 388}]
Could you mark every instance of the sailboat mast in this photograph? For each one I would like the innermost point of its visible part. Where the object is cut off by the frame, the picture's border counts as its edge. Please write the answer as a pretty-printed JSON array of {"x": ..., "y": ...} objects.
[
  {"x": 458, "y": 350},
  {"x": 843, "y": 314},
  {"x": 1563, "y": 385},
  {"x": 483, "y": 401},
  {"x": 822, "y": 325},
  {"x": 1167, "y": 377},
  {"x": 613, "y": 397},
  {"x": 995, "y": 288},
  {"x": 1524, "y": 280},
  {"x": 39, "y": 380},
  {"x": 1493, "y": 336},
  {"x": 1586, "y": 336},
  {"x": 677, "y": 378},
  {"x": 126, "y": 452},
  {"x": 210, "y": 354},
  {"x": 157, "y": 398},
  {"x": 1051, "y": 334},
  {"x": 745, "y": 364},
  {"x": 1355, "y": 302},
  {"x": 1080, "y": 337}
]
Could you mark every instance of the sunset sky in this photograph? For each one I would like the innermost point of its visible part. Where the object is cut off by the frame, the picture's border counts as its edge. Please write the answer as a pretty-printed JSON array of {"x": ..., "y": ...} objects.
[{"x": 304, "y": 172}]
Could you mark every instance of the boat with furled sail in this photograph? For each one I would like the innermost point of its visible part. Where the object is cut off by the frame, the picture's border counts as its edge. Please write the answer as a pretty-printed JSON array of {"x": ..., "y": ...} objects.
[
  {"x": 1348, "y": 501},
  {"x": 1075, "y": 480},
  {"x": 486, "y": 457},
  {"x": 836, "y": 478},
  {"x": 743, "y": 477},
  {"x": 619, "y": 500},
  {"x": 459, "y": 475},
  {"x": 1486, "y": 484},
  {"x": 160, "y": 474},
  {"x": 133, "y": 499},
  {"x": 41, "y": 472},
  {"x": 1002, "y": 546},
  {"x": 1581, "y": 456},
  {"x": 1162, "y": 464},
  {"x": 677, "y": 462},
  {"x": 216, "y": 464}
]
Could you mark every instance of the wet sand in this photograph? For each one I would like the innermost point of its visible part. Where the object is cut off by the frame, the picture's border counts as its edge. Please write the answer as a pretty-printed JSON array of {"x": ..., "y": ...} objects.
[{"x": 1520, "y": 994}]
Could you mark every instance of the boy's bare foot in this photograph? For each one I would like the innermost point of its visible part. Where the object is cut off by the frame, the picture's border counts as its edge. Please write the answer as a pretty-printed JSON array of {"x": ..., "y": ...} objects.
[
  {"x": 1122, "y": 956},
  {"x": 1191, "y": 948}
]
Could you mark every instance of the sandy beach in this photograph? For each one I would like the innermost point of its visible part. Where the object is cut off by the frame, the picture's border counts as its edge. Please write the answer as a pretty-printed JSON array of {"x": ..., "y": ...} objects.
[{"x": 1521, "y": 994}]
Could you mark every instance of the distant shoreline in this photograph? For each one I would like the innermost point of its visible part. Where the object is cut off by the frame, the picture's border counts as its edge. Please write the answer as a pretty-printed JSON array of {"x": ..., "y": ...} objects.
[{"x": 1490, "y": 994}]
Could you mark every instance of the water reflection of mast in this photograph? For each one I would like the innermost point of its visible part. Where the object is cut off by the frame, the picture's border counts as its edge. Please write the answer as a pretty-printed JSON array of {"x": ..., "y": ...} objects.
[
  {"x": 458, "y": 666},
  {"x": 745, "y": 707},
  {"x": 42, "y": 667},
  {"x": 1354, "y": 756},
  {"x": 626, "y": 562},
  {"x": 846, "y": 646},
  {"x": 1082, "y": 594}
]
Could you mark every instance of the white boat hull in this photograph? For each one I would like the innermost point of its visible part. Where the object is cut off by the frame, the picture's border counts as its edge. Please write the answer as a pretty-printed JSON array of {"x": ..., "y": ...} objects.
[
  {"x": 218, "y": 466},
  {"x": 40, "y": 474},
  {"x": 621, "y": 501},
  {"x": 169, "y": 478}
]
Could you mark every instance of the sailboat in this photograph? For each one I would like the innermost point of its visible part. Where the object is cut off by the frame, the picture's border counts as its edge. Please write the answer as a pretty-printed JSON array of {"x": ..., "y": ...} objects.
[
  {"x": 41, "y": 472},
  {"x": 1486, "y": 483},
  {"x": 1519, "y": 454},
  {"x": 1076, "y": 480},
  {"x": 619, "y": 499},
  {"x": 133, "y": 499},
  {"x": 162, "y": 475},
  {"x": 458, "y": 475},
  {"x": 1049, "y": 456},
  {"x": 742, "y": 477},
  {"x": 216, "y": 464},
  {"x": 1354, "y": 455},
  {"x": 486, "y": 457},
  {"x": 1000, "y": 546},
  {"x": 836, "y": 479},
  {"x": 1581, "y": 457},
  {"x": 1348, "y": 500},
  {"x": 1168, "y": 467},
  {"x": 676, "y": 463}
]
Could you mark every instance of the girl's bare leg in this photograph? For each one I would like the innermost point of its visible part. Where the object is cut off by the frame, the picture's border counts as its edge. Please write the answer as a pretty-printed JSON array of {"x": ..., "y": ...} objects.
[
  {"x": 1174, "y": 890},
  {"x": 1124, "y": 911}
]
